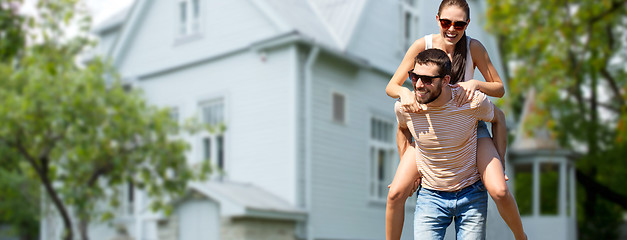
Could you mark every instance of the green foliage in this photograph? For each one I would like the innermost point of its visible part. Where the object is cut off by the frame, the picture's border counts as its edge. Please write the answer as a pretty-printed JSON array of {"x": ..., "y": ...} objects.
[
  {"x": 76, "y": 130},
  {"x": 19, "y": 206},
  {"x": 549, "y": 179},
  {"x": 561, "y": 48},
  {"x": 573, "y": 54},
  {"x": 19, "y": 203},
  {"x": 605, "y": 224},
  {"x": 11, "y": 30},
  {"x": 524, "y": 188}
]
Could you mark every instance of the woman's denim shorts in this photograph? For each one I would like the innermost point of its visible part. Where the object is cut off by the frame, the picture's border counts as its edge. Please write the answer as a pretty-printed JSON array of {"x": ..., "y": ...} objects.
[{"x": 482, "y": 130}]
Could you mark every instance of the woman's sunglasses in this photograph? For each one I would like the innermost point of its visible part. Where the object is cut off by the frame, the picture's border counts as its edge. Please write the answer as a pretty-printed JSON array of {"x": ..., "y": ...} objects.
[
  {"x": 426, "y": 80},
  {"x": 458, "y": 25}
]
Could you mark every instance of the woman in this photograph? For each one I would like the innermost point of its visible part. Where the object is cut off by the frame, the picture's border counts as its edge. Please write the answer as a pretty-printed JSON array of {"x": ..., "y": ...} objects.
[{"x": 466, "y": 54}]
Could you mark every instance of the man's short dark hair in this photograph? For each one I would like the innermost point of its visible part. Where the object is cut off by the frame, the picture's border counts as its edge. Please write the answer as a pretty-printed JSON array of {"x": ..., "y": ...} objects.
[{"x": 437, "y": 57}]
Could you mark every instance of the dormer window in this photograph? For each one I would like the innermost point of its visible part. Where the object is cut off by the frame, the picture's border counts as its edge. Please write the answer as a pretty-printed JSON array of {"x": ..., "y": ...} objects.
[
  {"x": 188, "y": 17},
  {"x": 409, "y": 22}
]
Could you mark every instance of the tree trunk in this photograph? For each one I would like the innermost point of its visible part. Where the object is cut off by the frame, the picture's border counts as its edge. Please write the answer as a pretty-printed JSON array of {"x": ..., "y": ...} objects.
[
  {"x": 589, "y": 205},
  {"x": 42, "y": 171},
  {"x": 82, "y": 227},
  {"x": 67, "y": 222},
  {"x": 595, "y": 188}
]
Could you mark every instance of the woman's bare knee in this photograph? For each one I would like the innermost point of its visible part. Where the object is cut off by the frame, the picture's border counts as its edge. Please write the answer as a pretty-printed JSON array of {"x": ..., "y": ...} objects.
[
  {"x": 499, "y": 192},
  {"x": 397, "y": 194}
]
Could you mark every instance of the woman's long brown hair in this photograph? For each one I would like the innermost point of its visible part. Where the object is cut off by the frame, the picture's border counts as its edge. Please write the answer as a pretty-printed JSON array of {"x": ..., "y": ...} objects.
[{"x": 461, "y": 49}]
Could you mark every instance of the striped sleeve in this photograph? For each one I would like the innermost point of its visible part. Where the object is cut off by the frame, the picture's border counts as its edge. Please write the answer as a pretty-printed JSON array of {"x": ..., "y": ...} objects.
[
  {"x": 484, "y": 108},
  {"x": 401, "y": 118}
]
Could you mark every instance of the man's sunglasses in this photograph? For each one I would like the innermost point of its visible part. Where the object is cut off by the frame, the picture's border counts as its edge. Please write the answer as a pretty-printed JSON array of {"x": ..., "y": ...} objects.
[
  {"x": 458, "y": 25},
  {"x": 426, "y": 80}
]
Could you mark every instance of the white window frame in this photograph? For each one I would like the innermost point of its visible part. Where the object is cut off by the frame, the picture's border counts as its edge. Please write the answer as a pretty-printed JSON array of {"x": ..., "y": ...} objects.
[
  {"x": 127, "y": 193},
  {"x": 407, "y": 9},
  {"x": 214, "y": 137},
  {"x": 344, "y": 107},
  {"x": 129, "y": 198},
  {"x": 383, "y": 141},
  {"x": 193, "y": 24},
  {"x": 175, "y": 114}
]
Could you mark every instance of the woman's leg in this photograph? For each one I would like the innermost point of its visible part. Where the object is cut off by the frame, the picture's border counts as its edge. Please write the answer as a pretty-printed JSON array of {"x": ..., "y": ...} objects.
[
  {"x": 400, "y": 189},
  {"x": 493, "y": 176}
]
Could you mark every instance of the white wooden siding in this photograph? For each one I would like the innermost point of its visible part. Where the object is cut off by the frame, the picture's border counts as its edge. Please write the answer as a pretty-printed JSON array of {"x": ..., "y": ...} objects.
[
  {"x": 377, "y": 36},
  {"x": 259, "y": 101},
  {"x": 225, "y": 25},
  {"x": 198, "y": 219},
  {"x": 341, "y": 206}
]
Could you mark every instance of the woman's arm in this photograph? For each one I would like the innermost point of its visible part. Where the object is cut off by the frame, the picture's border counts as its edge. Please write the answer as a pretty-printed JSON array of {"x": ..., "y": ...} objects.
[
  {"x": 493, "y": 86},
  {"x": 395, "y": 87}
]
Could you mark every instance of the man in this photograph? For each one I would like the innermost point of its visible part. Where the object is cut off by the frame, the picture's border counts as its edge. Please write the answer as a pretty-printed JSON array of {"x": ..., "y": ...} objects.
[{"x": 446, "y": 143}]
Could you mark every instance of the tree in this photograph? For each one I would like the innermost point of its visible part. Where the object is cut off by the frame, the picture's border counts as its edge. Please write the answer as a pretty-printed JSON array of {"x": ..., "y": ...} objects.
[
  {"x": 573, "y": 53},
  {"x": 19, "y": 203},
  {"x": 77, "y": 130},
  {"x": 19, "y": 206},
  {"x": 11, "y": 30}
]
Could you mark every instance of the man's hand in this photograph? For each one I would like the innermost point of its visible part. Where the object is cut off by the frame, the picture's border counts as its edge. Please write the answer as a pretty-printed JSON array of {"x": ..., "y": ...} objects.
[{"x": 416, "y": 184}]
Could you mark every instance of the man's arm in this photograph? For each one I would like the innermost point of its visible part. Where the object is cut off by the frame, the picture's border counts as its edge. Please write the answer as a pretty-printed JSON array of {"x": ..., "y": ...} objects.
[{"x": 499, "y": 130}]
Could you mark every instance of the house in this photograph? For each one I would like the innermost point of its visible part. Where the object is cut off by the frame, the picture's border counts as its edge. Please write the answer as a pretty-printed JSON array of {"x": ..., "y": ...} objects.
[{"x": 309, "y": 146}]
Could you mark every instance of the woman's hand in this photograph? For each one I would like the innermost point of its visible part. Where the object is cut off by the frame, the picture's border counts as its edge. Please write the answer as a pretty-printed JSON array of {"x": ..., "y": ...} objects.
[{"x": 467, "y": 93}]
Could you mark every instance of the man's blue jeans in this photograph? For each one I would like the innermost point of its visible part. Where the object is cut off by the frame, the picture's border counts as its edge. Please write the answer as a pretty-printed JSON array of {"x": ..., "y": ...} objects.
[{"x": 436, "y": 209}]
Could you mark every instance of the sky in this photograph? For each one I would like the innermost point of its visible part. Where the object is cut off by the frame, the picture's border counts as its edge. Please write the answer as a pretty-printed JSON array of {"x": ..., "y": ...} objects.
[
  {"x": 103, "y": 9},
  {"x": 100, "y": 9}
]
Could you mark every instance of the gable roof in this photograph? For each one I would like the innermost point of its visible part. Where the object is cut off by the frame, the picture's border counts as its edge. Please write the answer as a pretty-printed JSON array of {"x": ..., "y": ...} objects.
[
  {"x": 112, "y": 22},
  {"x": 247, "y": 200},
  {"x": 340, "y": 17},
  {"x": 538, "y": 139},
  {"x": 328, "y": 22},
  {"x": 131, "y": 21},
  {"x": 298, "y": 16}
]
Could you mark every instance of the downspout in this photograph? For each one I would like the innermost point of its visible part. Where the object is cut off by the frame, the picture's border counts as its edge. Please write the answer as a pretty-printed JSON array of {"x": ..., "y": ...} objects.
[
  {"x": 44, "y": 216},
  {"x": 139, "y": 218},
  {"x": 311, "y": 59}
]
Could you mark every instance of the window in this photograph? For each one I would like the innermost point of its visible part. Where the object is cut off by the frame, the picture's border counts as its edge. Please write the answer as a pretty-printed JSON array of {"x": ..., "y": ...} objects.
[
  {"x": 126, "y": 198},
  {"x": 523, "y": 187},
  {"x": 212, "y": 114},
  {"x": 382, "y": 157},
  {"x": 130, "y": 197},
  {"x": 174, "y": 114},
  {"x": 189, "y": 17},
  {"x": 409, "y": 22},
  {"x": 339, "y": 108},
  {"x": 549, "y": 188}
]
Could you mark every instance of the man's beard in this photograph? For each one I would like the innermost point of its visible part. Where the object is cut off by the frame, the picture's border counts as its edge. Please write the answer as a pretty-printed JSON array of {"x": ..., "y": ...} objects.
[{"x": 433, "y": 94}]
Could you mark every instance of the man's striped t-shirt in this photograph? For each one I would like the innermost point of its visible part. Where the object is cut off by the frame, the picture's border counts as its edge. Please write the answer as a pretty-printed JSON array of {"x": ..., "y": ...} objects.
[{"x": 446, "y": 141}]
